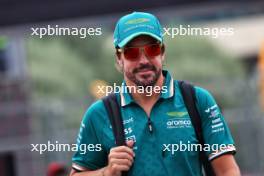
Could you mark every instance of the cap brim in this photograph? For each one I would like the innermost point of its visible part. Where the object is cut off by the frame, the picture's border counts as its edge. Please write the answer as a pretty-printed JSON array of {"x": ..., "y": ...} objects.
[{"x": 129, "y": 38}]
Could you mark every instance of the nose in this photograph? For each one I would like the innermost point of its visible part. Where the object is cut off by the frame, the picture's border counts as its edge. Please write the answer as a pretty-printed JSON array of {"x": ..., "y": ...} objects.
[{"x": 143, "y": 58}]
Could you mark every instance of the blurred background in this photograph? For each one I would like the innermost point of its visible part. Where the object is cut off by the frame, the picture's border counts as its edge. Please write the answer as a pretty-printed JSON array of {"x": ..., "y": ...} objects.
[{"x": 46, "y": 84}]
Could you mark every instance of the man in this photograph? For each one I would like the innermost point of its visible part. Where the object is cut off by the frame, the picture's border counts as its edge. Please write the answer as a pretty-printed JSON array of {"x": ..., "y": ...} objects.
[{"x": 150, "y": 121}]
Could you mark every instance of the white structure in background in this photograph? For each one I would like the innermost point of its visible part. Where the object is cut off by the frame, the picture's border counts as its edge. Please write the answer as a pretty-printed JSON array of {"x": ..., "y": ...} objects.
[{"x": 248, "y": 35}]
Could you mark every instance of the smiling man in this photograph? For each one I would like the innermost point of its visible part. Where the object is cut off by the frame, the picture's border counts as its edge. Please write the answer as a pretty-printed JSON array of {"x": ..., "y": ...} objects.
[{"x": 154, "y": 126}]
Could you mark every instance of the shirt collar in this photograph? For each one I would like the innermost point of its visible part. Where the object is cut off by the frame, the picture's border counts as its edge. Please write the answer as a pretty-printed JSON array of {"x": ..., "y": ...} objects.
[
  {"x": 169, "y": 85},
  {"x": 126, "y": 97}
]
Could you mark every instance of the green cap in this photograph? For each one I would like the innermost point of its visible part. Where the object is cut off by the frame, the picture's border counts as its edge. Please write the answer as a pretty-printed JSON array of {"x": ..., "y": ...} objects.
[{"x": 135, "y": 24}]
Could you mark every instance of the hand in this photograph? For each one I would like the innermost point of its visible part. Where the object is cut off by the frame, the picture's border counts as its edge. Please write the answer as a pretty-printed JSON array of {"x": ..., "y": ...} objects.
[{"x": 120, "y": 159}]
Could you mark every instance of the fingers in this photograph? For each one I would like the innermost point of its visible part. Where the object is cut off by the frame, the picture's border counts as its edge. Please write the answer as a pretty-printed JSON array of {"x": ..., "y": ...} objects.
[
  {"x": 123, "y": 149},
  {"x": 124, "y": 162},
  {"x": 120, "y": 159},
  {"x": 120, "y": 168},
  {"x": 130, "y": 143},
  {"x": 120, "y": 155}
]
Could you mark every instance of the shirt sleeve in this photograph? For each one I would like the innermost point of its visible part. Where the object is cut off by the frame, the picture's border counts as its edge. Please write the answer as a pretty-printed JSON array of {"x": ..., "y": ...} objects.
[
  {"x": 217, "y": 136},
  {"x": 90, "y": 153}
]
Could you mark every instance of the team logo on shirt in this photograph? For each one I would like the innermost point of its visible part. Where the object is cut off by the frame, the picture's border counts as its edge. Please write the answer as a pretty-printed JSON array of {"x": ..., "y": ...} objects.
[
  {"x": 178, "y": 119},
  {"x": 177, "y": 113}
]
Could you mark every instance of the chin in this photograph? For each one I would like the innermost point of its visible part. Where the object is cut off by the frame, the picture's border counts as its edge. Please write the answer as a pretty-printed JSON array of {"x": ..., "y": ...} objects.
[{"x": 146, "y": 83}]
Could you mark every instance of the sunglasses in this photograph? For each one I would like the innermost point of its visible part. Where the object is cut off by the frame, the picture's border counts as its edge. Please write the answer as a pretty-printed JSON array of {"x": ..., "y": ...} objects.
[{"x": 133, "y": 53}]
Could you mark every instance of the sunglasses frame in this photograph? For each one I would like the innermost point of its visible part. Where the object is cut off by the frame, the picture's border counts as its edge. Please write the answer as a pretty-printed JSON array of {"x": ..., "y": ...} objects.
[{"x": 120, "y": 50}]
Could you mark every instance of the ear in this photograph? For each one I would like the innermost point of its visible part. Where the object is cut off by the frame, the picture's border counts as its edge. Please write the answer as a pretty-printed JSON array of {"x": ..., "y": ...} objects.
[{"x": 118, "y": 59}]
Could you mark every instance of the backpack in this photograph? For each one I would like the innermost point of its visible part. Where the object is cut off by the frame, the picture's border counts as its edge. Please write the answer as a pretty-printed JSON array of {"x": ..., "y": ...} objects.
[{"x": 188, "y": 94}]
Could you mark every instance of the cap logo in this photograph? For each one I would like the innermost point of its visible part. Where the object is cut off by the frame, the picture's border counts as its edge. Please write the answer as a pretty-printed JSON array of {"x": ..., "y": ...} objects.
[{"x": 137, "y": 20}]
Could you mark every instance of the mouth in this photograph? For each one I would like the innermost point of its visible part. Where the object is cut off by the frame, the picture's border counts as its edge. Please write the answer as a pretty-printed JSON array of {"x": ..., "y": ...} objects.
[{"x": 145, "y": 71}]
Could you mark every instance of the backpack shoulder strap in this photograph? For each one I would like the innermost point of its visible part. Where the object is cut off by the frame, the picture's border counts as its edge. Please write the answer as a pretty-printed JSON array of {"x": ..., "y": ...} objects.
[
  {"x": 188, "y": 94},
  {"x": 189, "y": 97},
  {"x": 114, "y": 115}
]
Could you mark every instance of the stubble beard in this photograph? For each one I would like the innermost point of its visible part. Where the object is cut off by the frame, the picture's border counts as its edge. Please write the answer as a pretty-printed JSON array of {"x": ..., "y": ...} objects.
[{"x": 144, "y": 80}]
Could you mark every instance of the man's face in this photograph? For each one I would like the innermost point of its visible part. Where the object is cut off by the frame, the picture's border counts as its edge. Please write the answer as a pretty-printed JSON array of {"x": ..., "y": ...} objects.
[{"x": 143, "y": 71}]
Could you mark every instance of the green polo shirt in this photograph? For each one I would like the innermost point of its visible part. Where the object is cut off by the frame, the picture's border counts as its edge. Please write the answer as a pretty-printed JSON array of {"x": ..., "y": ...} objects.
[{"x": 171, "y": 148}]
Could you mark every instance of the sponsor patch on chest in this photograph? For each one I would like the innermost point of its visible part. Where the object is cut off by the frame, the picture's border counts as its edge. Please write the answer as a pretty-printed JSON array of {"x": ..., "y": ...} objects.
[{"x": 179, "y": 123}]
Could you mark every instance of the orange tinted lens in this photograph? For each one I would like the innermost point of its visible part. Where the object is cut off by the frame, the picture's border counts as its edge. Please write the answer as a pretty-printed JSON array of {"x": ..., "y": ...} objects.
[
  {"x": 153, "y": 50},
  {"x": 131, "y": 53}
]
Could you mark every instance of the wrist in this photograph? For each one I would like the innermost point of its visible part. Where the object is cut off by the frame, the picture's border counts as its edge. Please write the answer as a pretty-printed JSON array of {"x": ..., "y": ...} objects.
[{"x": 106, "y": 172}]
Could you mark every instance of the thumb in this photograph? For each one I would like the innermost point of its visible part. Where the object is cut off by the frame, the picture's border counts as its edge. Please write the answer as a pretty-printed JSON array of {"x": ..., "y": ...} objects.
[{"x": 130, "y": 143}]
